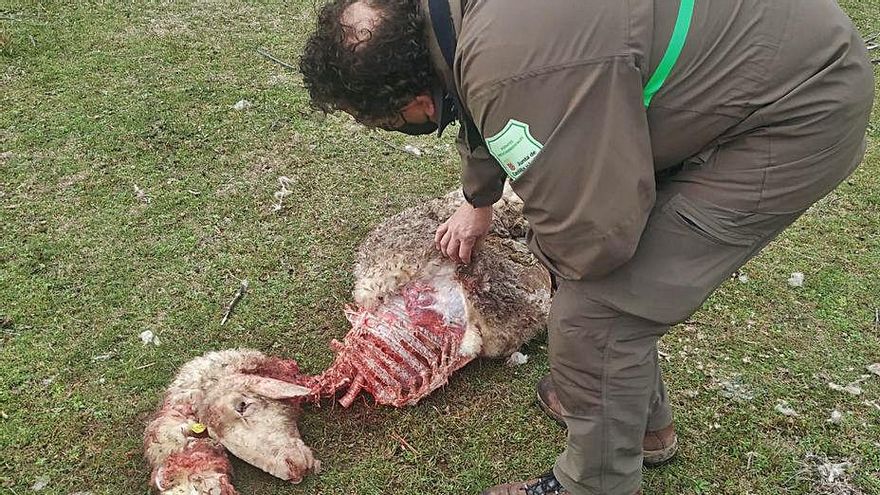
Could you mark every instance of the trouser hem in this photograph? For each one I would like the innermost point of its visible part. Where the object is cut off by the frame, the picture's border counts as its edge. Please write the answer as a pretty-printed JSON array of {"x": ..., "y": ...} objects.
[
  {"x": 576, "y": 488},
  {"x": 660, "y": 420}
]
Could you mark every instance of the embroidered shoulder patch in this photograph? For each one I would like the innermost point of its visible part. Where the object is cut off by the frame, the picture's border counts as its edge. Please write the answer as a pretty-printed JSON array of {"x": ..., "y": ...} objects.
[{"x": 514, "y": 147}]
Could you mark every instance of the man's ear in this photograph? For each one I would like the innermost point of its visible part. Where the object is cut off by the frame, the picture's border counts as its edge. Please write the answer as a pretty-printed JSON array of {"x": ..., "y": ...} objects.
[{"x": 423, "y": 104}]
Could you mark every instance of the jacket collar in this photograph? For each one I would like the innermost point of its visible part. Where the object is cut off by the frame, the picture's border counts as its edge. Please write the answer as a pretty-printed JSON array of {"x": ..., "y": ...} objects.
[{"x": 445, "y": 108}]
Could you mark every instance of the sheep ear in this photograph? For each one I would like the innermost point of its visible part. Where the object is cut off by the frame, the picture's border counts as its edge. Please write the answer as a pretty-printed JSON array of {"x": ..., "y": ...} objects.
[{"x": 276, "y": 389}]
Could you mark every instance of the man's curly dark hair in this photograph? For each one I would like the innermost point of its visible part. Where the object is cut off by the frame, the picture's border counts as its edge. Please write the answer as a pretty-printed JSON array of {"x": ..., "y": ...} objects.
[{"x": 375, "y": 77}]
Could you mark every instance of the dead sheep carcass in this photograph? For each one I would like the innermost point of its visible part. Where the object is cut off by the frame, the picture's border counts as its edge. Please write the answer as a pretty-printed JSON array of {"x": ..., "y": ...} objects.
[
  {"x": 237, "y": 400},
  {"x": 418, "y": 317}
]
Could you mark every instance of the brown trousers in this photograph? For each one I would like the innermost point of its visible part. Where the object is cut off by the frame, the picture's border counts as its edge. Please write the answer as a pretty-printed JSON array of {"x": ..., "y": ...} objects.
[{"x": 720, "y": 210}]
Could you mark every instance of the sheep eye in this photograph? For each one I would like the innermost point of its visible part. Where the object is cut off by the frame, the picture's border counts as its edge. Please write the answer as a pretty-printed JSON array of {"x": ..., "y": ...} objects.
[{"x": 241, "y": 407}]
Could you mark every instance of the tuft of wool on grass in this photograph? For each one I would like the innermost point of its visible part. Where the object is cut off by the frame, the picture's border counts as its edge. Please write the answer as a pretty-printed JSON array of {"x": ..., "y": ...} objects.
[
  {"x": 141, "y": 195},
  {"x": 517, "y": 359},
  {"x": 40, "y": 483},
  {"x": 829, "y": 476},
  {"x": 412, "y": 150},
  {"x": 852, "y": 388},
  {"x": 148, "y": 337},
  {"x": 836, "y": 417},
  {"x": 285, "y": 183},
  {"x": 784, "y": 409},
  {"x": 831, "y": 471},
  {"x": 735, "y": 389}
]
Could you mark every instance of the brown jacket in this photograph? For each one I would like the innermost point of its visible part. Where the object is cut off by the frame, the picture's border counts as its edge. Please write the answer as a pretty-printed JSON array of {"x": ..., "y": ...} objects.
[{"x": 555, "y": 88}]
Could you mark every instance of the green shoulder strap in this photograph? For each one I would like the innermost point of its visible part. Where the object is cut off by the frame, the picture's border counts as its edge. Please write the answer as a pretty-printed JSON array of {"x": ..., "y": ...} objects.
[{"x": 673, "y": 51}]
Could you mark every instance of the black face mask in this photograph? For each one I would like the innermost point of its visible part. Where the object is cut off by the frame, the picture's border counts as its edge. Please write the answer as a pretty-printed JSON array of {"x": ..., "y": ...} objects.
[
  {"x": 417, "y": 129},
  {"x": 413, "y": 129}
]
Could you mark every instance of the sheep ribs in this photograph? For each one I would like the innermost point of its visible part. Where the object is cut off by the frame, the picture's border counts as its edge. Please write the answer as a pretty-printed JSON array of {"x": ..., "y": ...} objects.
[{"x": 402, "y": 350}]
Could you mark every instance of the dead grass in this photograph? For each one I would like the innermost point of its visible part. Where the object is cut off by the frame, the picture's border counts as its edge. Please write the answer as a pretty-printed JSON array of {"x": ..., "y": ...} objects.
[{"x": 5, "y": 44}]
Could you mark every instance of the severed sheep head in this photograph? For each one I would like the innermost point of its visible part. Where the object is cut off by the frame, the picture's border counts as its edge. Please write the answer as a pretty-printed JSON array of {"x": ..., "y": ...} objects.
[
  {"x": 236, "y": 400},
  {"x": 253, "y": 418}
]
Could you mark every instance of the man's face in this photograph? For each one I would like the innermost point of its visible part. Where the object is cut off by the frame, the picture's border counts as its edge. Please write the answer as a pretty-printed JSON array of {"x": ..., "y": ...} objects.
[{"x": 417, "y": 117}]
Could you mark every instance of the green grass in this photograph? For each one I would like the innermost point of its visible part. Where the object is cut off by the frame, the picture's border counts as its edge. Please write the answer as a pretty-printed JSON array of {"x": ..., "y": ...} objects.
[{"x": 98, "y": 97}]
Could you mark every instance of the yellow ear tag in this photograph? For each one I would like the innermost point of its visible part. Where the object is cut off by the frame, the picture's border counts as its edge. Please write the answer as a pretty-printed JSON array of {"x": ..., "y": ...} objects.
[{"x": 197, "y": 428}]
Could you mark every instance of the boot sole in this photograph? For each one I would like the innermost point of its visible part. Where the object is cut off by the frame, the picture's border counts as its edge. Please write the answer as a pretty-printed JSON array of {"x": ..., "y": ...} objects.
[
  {"x": 651, "y": 458},
  {"x": 657, "y": 458}
]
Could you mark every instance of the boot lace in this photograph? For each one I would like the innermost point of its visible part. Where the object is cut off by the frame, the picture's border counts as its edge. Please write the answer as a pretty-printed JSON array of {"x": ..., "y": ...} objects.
[{"x": 546, "y": 485}]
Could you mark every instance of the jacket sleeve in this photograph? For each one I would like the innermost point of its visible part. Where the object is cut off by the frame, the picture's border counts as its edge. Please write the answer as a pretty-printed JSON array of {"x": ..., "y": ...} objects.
[
  {"x": 482, "y": 179},
  {"x": 590, "y": 188}
]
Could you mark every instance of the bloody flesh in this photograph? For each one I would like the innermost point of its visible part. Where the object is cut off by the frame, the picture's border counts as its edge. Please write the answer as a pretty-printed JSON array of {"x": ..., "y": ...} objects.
[{"x": 402, "y": 350}]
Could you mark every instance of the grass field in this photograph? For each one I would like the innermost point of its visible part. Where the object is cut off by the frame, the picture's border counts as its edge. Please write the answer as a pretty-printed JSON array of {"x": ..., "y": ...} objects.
[{"x": 134, "y": 197}]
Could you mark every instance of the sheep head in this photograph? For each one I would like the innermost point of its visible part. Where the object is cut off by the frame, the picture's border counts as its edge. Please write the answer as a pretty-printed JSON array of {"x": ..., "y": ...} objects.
[
  {"x": 238, "y": 400},
  {"x": 254, "y": 417}
]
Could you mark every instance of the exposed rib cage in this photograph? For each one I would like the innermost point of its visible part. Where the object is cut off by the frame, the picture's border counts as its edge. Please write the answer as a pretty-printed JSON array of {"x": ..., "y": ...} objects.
[{"x": 401, "y": 351}]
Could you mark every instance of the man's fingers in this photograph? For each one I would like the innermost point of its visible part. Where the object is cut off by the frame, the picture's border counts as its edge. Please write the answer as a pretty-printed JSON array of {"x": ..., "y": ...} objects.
[
  {"x": 465, "y": 249},
  {"x": 444, "y": 242},
  {"x": 452, "y": 250},
  {"x": 441, "y": 231}
]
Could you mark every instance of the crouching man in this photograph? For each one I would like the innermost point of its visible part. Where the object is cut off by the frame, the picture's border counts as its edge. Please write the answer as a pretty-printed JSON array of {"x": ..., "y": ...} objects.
[{"x": 657, "y": 145}]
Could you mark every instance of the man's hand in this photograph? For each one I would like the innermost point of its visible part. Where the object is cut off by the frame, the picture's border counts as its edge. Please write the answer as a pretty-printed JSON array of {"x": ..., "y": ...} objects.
[{"x": 456, "y": 237}]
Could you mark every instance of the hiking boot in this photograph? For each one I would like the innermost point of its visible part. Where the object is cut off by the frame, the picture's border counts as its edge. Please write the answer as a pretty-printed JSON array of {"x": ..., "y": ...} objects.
[
  {"x": 658, "y": 447},
  {"x": 545, "y": 485},
  {"x": 549, "y": 401}
]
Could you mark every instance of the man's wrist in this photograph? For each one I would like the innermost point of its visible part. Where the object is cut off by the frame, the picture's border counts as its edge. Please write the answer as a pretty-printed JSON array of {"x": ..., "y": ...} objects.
[{"x": 480, "y": 201}]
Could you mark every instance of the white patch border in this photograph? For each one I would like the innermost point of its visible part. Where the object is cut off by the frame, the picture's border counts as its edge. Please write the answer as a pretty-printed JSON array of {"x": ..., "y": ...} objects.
[{"x": 514, "y": 174}]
